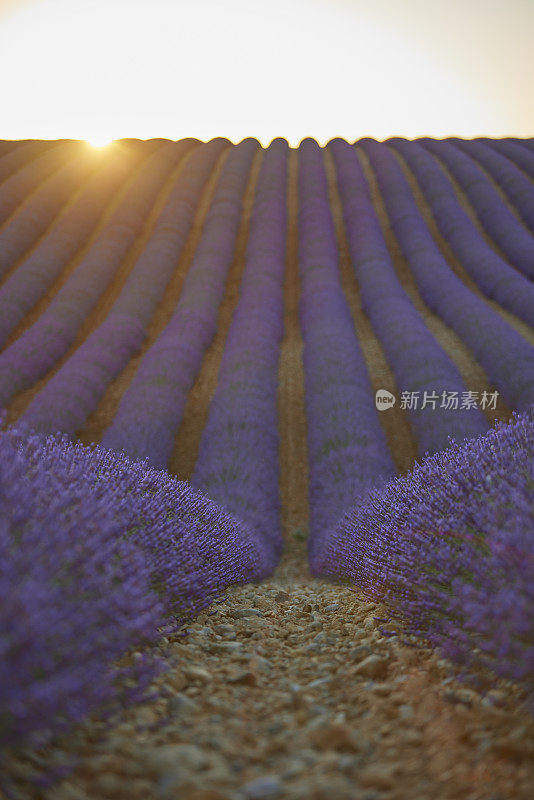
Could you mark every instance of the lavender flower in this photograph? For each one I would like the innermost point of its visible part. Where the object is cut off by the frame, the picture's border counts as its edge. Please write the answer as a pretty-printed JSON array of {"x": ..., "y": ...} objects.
[
  {"x": 449, "y": 549},
  {"x": 98, "y": 555}
]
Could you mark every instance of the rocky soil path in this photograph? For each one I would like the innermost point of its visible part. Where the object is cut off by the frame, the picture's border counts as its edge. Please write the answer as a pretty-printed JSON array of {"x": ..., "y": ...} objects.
[{"x": 288, "y": 690}]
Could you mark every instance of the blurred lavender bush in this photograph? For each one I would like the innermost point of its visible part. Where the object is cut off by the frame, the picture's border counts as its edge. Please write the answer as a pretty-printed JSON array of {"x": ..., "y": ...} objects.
[
  {"x": 99, "y": 555},
  {"x": 450, "y": 549}
]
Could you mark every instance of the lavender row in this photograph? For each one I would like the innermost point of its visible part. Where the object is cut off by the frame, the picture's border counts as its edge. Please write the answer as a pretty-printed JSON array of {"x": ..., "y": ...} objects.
[
  {"x": 514, "y": 152},
  {"x": 23, "y": 154},
  {"x": 528, "y": 144},
  {"x": 40, "y": 268},
  {"x": 499, "y": 222},
  {"x": 506, "y": 357},
  {"x": 347, "y": 448},
  {"x": 7, "y": 146},
  {"x": 34, "y": 217},
  {"x": 419, "y": 363},
  {"x": 494, "y": 276},
  {"x": 151, "y": 409},
  {"x": 449, "y": 549},
  {"x": 38, "y": 348},
  {"x": 238, "y": 461},
  {"x": 100, "y": 555},
  {"x": 16, "y": 188},
  {"x": 518, "y": 188},
  {"x": 75, "y": 390}
]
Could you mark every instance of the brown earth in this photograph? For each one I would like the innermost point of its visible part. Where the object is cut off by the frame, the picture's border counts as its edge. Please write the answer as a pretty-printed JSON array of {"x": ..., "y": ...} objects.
[{"x": 287, "y": 689}]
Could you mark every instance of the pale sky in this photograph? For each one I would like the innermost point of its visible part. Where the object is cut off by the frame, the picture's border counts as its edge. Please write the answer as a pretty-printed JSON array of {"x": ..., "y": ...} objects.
[{"x": 104, "y": 69}]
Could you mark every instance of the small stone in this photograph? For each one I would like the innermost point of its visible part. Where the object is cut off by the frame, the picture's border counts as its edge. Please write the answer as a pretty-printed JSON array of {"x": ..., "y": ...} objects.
[
  {"x": 181, "y": 704},
  {"x": 325, "y": 638},
  {"x": 195, "y": 673},
  {"x": 382, "y": 689},
  {"x": 334, "y": 736},
  {"x": 176, "y": 679},
  {"x": 411, "y": 736},
  {"x": 242, "y": 613},
  {"x": 226, "y": 647},
  {"x": 378, "y": 777},
  {"x": 145, "y": 716},
  {"x": 245, "y": 678},
  {"x": 263, "y": 664},
  {"x": 496, "y": 698},
  {"x": 332, "y": 607},
  {"x": 405, "y": 711},
  {"x": 224, "y": 630},
  {"x": 295, "y": 767},
  {"x": 360, "y": 652},
  {"x": 170, "y": 758},
  {"x": 260, "y": 788},
  {"x": 463, "y": 696},
  {"x": 319, "y": 682},
  {"x": 372, "y": 667},
  {"x": 318, "y": 710},
  {"x": 281, "y": 597}
]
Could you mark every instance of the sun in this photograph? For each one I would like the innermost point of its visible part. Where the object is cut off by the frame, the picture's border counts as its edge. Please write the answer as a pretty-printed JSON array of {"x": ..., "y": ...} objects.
[{"x": 99, "y": 141}]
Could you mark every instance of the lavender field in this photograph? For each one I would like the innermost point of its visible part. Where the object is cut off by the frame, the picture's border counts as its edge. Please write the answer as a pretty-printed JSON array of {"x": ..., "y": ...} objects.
[{"x": 194, "y": 342}]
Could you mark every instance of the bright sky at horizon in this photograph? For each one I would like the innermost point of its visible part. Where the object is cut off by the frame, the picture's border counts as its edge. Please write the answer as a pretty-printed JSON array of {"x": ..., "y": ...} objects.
[{"x": 105, "y": 69}]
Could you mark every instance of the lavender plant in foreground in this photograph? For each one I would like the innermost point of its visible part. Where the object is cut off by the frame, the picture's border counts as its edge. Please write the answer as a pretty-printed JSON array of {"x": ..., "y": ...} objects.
[
  {"x": 238, "y": 461},
  {"x": 449, "y": 548},
  {"x": 347, "y": 447},
  {"x": 99, "y": 554}
]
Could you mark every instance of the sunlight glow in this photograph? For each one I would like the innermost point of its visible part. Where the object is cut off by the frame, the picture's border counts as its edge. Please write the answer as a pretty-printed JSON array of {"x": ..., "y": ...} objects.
[
  {"x": 107, "y": 69},
  {"x": 99, "y": 141}
]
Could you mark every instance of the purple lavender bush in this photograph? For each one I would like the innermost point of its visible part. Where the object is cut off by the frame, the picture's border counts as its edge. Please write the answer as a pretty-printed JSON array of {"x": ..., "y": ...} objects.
[
  {"x": 152, "y": 407},
  {"x": 99, "y": 555},
  {"x": 28, "y": 176},
  {"x": 75, "y": 390},
  {"x": 494, "y": 276},
  {"x": 238, "y": 459},
  {"x": 513, "y": 151},
  {"x": 505, "y": 355},
  {"x": 499, "y": 163},
  {"x": 415, "y": 356},
  {"x": 39, "y": 269},
  {"x": 500, "y": 223},
  {"x": 38, "y": 349},
  {"x": 347, "y": 448},
  {"x": 449, "y": 548},
  {"x": 41, "y": 208}
]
